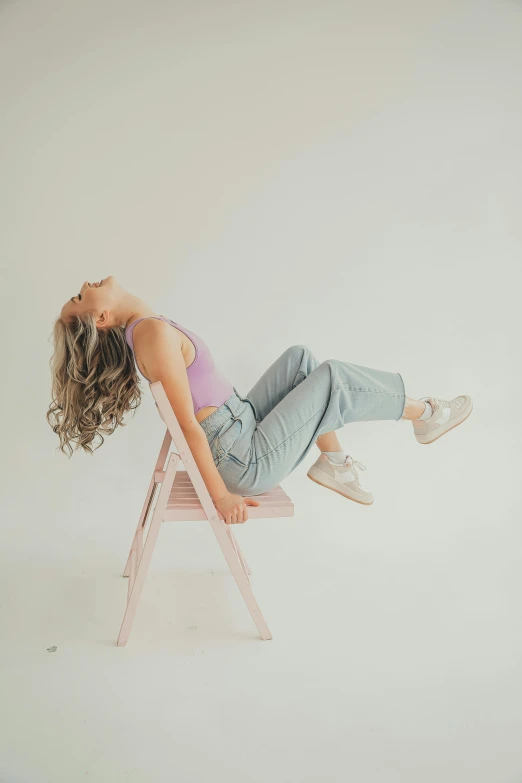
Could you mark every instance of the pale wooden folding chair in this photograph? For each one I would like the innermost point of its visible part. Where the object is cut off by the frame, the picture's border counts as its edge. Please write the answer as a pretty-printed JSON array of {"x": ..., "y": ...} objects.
[{"x": 184, "y": 496}]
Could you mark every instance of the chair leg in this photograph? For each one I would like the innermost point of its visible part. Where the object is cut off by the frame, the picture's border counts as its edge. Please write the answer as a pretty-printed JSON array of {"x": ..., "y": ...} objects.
[
  {"x": 132, "y": 571},
  {"x": 139, "y": 544},
  {"x": 241, "y": 555},
  {"x": 160, "y": 462},
  {"x": 141, "y": 524},
  {"x": 242, "y": 580},
  {"x": 136, "y": 583}
]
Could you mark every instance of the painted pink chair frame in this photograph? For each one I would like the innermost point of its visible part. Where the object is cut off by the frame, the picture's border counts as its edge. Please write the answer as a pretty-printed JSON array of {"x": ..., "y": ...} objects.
[{"x": 184, "y": 496}]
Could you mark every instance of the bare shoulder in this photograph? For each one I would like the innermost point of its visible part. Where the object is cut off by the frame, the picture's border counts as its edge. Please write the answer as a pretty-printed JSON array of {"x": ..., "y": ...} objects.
[
  {"x": 158, "y": 353},
  {"x": 154, "y": 329},
  {"x": 155, "y": 342}
]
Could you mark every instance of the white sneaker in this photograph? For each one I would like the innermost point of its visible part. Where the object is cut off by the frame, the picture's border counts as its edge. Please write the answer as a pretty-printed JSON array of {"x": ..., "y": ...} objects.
[
  {"x": 447, "y": 414},
  {"x": 343, "y": 479}
]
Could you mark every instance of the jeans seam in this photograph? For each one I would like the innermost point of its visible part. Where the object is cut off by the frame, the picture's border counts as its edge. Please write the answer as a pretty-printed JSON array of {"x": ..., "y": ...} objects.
[
  {"x": 293, "y": 433},
  {"x": 372, "y": 391}
]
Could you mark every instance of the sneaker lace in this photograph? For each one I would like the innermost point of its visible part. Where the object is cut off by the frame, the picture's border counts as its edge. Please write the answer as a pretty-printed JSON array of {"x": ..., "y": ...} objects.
[
  {"x": 441, "y": 403},
  {"x": 353, "y": 464}
]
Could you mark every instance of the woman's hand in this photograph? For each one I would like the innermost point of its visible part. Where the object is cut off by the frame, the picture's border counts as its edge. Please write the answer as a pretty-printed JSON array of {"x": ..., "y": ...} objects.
[{"x": 233, "y": 508}]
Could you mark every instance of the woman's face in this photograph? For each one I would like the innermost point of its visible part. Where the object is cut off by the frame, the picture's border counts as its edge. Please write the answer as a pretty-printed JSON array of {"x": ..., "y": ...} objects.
[{"x": 93, "y": 298}]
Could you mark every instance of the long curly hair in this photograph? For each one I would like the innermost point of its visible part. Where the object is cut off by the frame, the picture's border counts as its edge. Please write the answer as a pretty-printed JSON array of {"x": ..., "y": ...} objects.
[{"x": 94, "y": 382}]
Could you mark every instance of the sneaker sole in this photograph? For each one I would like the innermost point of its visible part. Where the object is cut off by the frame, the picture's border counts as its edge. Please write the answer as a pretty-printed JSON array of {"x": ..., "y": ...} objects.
[
  {"x": 444, "y": 430},
  {"x": 355, "y": 500}
]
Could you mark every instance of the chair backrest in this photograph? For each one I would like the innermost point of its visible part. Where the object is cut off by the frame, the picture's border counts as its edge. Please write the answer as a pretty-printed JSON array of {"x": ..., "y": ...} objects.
[{"x": 166, "y": 412}]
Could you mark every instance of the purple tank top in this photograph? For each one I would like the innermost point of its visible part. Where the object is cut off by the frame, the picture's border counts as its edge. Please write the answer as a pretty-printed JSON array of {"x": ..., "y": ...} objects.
[{"x": 207, "y": 383}]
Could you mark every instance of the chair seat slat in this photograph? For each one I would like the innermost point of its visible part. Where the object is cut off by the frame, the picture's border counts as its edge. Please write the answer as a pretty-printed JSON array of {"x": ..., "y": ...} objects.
[{"x": 184, "y": 503}]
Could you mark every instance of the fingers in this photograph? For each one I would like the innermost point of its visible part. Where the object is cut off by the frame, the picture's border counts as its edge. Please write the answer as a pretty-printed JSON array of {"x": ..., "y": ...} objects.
[
  {"x": 229, "y": 518},
  {"x": 241, "y": 514},
  {"x": 235, "y": 516}
]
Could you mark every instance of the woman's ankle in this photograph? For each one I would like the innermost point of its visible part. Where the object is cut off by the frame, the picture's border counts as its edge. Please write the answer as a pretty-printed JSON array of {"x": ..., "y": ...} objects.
[{"x": 413, "y": 409}]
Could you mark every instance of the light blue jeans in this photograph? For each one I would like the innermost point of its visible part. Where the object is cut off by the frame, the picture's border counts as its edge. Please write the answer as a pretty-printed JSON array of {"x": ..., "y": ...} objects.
[{"x": 257, "y": 440}]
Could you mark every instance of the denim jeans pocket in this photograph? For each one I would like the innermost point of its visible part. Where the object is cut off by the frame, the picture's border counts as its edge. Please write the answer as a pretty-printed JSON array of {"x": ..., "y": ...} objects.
[{"x": 226, "y": 438}]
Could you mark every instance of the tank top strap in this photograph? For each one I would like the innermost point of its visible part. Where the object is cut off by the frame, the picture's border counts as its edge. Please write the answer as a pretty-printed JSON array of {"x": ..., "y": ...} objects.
[{"x": 130, "y": 328}]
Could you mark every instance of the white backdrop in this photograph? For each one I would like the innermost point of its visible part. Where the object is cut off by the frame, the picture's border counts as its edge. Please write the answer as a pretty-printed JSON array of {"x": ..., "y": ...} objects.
[{"x": 346, "y": 175}]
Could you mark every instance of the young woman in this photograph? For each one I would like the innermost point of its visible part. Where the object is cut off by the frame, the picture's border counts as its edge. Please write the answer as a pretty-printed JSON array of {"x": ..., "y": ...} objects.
[{"x": 243, "y": 446}]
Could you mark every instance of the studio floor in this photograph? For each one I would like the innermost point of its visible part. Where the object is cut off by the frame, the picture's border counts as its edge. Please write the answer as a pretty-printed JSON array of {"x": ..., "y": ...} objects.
[{"x": 396, "y": 653}]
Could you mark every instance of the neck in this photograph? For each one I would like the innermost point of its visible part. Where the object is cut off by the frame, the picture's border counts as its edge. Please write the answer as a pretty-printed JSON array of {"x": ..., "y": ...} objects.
[{"x": 130, "y": 308}]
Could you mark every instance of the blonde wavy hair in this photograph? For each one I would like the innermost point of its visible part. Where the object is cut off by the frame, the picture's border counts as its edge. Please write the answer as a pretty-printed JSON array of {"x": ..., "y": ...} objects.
[{"x": 94, "y": 382}]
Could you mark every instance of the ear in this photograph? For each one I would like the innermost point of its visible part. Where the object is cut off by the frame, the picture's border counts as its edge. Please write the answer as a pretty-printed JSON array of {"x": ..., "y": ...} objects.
[{"x": 102, "y": 322}]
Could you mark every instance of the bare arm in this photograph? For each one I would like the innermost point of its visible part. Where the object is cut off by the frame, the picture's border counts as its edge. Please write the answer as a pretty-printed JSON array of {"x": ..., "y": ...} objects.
[{"x": 158, "y": 347}]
